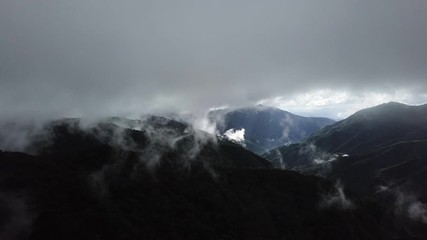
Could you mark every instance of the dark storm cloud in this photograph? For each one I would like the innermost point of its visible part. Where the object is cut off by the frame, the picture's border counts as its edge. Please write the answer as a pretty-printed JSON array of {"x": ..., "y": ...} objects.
[{"x": 92, "y": 57}]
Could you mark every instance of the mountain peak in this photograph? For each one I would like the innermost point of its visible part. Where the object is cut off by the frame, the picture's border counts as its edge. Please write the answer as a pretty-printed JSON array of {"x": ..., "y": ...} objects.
[
  {"x": 383, "y": 111},
  {"x": 369, "y": 128},
  {"x": 259, "y": 107},
  {"x": 393, "y": 105}
]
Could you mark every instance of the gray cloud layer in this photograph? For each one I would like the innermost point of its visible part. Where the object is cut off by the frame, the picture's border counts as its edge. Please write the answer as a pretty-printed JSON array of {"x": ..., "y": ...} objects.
[{"x": 93, "y": 57}]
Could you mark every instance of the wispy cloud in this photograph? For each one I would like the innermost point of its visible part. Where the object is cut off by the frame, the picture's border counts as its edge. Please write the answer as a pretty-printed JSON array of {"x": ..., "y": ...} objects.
[
  {"x": 406, "y": 203},
  {"x": 337, "y": 199}
]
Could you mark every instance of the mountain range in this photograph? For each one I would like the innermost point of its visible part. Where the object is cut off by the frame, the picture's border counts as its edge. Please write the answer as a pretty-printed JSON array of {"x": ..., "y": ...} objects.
[
  {"x": 362, "y": 132},
  {"x": 379, "y": 153},
  {"x": 156, "y": 178}
]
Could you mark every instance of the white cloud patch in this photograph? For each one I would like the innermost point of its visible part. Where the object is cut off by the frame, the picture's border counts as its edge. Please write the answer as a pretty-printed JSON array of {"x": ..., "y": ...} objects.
[
  {"x": 20, "y": 136},
  {"x": 237, "y": 136},
  {"x": 418, "y": 211},
  {"x": 204, "y": 124},
  {"x": 337, "y": 199},
  {"x": 287, "y": 124},
  {"x": 410, "y": 206},
  {"x": 317, "y": 155},
  {"x": 406, "y": 204},
  {"x": 278, "y": 161}
]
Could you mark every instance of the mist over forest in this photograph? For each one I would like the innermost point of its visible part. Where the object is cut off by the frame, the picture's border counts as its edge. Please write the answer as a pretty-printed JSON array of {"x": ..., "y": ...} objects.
[{"x": 213, "y": 119}]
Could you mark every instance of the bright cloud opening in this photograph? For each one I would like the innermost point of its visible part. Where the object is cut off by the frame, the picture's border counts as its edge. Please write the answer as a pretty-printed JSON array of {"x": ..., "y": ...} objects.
[
  {"x": 338, "y": 104},
  {"x": 237, "y": 136}
]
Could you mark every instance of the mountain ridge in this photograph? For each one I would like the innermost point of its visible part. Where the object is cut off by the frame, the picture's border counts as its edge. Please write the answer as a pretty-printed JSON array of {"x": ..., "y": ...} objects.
[
  {"x": 361, "y": 132},
  {"x": 85, "y": 184},
  {"x": 266, "y": 127},
  {"x": 378, "y": 153}
]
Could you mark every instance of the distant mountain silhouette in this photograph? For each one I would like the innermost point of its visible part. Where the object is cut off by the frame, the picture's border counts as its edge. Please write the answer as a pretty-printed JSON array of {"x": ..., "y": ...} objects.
[
  {"x": 267, "y": 127},
  {"x": 363, "y": 131},
  {"x": 374, "y": 127}
]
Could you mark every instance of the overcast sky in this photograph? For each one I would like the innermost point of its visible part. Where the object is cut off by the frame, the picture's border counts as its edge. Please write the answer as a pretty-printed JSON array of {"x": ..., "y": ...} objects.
[{"x": 102, "y": 57}]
